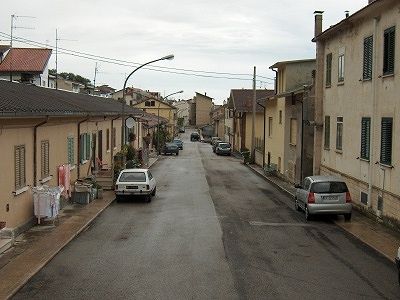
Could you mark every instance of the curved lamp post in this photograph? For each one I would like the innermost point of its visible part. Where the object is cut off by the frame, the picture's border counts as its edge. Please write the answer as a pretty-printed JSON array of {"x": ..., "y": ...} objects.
[
  {"x": 168, "y": 57},
  {"x": 158, "y": 120}
]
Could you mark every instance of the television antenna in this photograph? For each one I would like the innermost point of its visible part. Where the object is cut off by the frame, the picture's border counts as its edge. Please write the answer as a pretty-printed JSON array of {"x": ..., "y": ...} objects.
[
  {"x": 58, "y": 39},
  {"x": 14, "y": 17}
]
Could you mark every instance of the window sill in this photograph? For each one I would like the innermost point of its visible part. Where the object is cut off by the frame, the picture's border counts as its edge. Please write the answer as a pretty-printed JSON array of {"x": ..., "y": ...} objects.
[
  {"x": 339, "y": 151},
  {"x": 292, "y": 145},
  {"x": 84, "y": 162},
  {"x": 340, "y": 83},
  {"x": 387, "y": 75},
  {"x": 328, "y": 86},
  {"x": 46, "y": 179},
  {"x": 327, "y": 149},
  {"x": 108, "y": 151},
  {"x": 365, "y": 159},
  {"x": 72, "y": 167},
  {"x": 386, "y": 166},
  {"x": 366, "y": 80},
  {"x": 21, "y": 190}
]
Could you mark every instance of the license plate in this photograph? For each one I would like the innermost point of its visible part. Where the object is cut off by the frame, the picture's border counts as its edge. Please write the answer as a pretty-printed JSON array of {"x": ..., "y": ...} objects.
[
  {"x": 132, "y": 187},
  {"x": 330, "y": 198}
]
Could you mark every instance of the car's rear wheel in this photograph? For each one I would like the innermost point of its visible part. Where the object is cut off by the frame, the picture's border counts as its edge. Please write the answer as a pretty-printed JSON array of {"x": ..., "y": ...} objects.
[
  {"x": 347, "y": 217},
  {"x": 307, "y": 214},
  {"x": 148, "y": 198},
  {"x": 154, "y": 191},
  {"x": 177, "y": 153}
]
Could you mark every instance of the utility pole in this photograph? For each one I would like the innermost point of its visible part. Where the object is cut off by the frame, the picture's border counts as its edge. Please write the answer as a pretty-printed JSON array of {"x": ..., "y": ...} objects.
[
  {"x": 253, "y": 119},
  {"x": 94, "y": 80}
]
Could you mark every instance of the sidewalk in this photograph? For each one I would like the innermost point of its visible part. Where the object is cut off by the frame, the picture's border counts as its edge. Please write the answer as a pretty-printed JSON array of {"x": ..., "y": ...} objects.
[
  {"x": 377, "y": 236},
  {"x": 37, "y": 246}
]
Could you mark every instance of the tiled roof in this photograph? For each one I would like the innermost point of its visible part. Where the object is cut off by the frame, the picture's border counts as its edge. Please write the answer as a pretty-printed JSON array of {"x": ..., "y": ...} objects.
[
  {"x": 18, "y": 99},
  {"x": 25, "y": 60},
  {"x": 243, "y": 99}
]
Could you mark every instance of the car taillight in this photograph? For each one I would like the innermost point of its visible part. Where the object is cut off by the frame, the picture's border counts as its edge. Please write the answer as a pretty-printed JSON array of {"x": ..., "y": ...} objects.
[
  {"x": 147, "y": 187},
  {"x": 348, "y": 197},
  {"x": 311, "y": 198}
]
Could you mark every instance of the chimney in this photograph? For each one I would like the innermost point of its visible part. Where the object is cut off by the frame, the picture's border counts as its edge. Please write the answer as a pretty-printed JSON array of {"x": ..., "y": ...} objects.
[
  {"x": 318, "y": 23},
  {"x": 347, "y": 13},
  {"x": 370, "y": 1}
]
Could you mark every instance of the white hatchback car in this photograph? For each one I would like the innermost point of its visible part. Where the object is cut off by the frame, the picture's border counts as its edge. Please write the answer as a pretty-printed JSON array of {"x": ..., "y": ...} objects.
[{"x": 135, "y": 182}]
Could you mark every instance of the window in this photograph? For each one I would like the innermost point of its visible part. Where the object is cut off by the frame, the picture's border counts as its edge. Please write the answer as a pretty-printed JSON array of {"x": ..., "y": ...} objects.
[
  {"x": 84, "y": 151},
  {"x": 388, "y": 51},
  {"x": 153, "y": 103},
  {"x": 147, "y": 103},
  {"x": 108, "y": 139},
  {"x": 44, "y": 159},
  {"x": 368, "y": 57},
  {"x": 19, "y": 155},
  {"x": 386, "y": 141},
  {"x": 328, "y": 79},
  {"x": 280, "y": 117},
  {"x": 270, "y": 126},
  {"x": 327, "y": 132},
  {"x": 113, "y": 140},
  {"x": 341, "y": 68},
  {"x": 293, "y": 131},
  {"x": 70, "y": 150},
  {"x": 365, "y": 138},
  {"x": 339, "y": 133}
]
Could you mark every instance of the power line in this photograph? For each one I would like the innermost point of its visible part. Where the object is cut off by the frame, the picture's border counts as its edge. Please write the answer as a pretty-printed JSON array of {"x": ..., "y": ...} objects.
[{"x": 130, "y": 64}]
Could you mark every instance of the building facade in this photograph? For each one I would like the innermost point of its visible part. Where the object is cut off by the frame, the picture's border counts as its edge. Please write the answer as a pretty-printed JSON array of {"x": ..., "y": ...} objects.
[{"x": 357, "y": 93}]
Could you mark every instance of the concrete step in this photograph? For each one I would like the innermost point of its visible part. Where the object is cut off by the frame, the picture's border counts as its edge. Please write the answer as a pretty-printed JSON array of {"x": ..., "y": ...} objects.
[{"x": 5, "y": 244}]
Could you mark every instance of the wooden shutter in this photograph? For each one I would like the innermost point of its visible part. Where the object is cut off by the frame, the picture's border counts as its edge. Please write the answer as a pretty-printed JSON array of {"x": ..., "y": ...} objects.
[
  {"x": 368, "y": 57},
  {"x": 339, "y": 133},
  {"x": 70, "y": 150},
  {"x": 328, "y": 70},
  {"x": 45, "y": 170},
  {"x": 82, "y": 147},
  {"x": 327, "y": 140},
  {"x": 108, "y": 139},
  {"x": 389, "y": 51},
  {"x": 19, "y": 156},
  {"x": 87, "y": 148},
  {"x": 386, "y": 141},
  {"x": 365, "y": 137}
]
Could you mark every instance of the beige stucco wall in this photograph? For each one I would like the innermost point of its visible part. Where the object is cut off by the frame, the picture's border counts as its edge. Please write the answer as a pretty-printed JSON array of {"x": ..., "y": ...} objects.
[
  {"x": 275, "y": 144},
  {"x": 354, "y": 100},
  {"x": 163, "y": 110},
  {"x": 17, "y": 132},
  {"x": 258, "y": 126},
  {"x": 203, "y": 109}
]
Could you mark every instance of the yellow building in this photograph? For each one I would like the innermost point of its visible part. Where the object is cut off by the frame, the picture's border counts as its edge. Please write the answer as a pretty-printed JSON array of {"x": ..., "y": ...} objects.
[
  {"x": 283, "y": 117},
  {"x": 357, "y": 105},
  {"x": 240, "y": 102},
  {"x": 161, "y": 109},
  {"x": 218, "y": 120},
  {"x": 42, "y": 129},
  {"x": 199, "y": 111}
]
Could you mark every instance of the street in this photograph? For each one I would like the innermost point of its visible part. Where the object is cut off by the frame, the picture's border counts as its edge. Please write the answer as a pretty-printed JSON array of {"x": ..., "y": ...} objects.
[{"x": 215, "y": 230}]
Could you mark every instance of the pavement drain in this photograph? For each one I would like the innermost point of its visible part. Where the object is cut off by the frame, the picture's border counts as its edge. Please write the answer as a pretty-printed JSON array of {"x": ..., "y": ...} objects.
[{"x": 258, "y": 223}]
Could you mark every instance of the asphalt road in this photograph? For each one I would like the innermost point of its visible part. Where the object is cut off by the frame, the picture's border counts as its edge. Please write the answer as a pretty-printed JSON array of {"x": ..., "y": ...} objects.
[{"x": 215, "y": 230}]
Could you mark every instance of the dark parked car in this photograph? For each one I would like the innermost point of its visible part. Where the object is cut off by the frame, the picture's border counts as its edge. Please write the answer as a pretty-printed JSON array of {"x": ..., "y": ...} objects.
[
  {"x": 181, "y": 129},
  {"x": 215, "y": 145},
  {"x": 171, "y": 148},
  {"x": 179, "y": 143},
  {"x": 194, "y": 136},
  {"x": 223, "y": 148}
]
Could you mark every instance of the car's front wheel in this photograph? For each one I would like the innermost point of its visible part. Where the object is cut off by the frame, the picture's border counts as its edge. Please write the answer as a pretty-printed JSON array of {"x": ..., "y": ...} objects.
[
  {"x": 347, "y": 217},
  {"x": 307, "y": 214}
]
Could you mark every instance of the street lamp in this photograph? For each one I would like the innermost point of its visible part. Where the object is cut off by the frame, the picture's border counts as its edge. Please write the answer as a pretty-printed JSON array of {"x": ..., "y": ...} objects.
[
  {"x": 158, "y": 120},
  {"x": 168, "y": 57}
]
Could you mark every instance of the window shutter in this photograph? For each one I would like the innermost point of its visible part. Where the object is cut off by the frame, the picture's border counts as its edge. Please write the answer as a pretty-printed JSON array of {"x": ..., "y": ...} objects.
[
  {"x": 327, "y": 132},
  {"x": 70, "y": 150},
  {"x": 365, "y": 138},
  {"x": 328, "y": 69},
  {"x": 87, "y": 154},
  {"x": 386, "y": 140},
  {"x": 19, "y": 156},
  {"x": 368, "y": 57},
  {"x": 389, "y": 51}
]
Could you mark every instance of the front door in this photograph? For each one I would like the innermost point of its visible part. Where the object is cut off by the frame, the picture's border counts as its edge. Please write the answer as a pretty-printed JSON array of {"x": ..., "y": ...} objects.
[{"x": 100, "y": 149}]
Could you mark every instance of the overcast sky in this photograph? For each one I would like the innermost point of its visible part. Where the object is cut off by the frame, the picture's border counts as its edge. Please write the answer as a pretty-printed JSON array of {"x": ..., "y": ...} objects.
[{"x": 226, "y": 36}]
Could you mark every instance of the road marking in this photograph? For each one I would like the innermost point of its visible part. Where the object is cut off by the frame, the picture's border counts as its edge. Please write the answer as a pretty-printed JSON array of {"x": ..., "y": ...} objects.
[{"x": 258, "y": 223}]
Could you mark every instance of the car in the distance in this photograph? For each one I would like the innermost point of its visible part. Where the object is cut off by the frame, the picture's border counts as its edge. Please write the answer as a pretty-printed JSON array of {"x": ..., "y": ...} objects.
[
  {"x": 171, "y": 148},
  {"x": 179, "y": 143},
  {"x": 181, "y": 129},
  {"x": 223, "y": 148},
  {"x": 323, "y": 195},
  {"x": 135, "y": 182},
  {"x": 215, "y": 145},
  {"x": 214, "y": 139},
  {"x": 194, "y": 136}
]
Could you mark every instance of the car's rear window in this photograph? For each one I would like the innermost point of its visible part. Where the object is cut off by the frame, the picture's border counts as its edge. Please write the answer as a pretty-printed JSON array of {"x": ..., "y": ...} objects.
[
  {"x": 133, "y": 177},
  {"x": 224, "y": 145},
  {"x": 329, "y": 187}
]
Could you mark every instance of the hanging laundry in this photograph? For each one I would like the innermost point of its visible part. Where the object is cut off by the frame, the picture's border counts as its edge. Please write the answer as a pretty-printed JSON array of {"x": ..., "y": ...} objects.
[{"x": 64, "y": 177}]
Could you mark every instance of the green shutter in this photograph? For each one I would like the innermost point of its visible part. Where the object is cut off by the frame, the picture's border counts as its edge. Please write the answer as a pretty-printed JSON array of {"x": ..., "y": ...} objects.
[
  {"x": 327, "y": 132},
  {"x": 328, "y": 69},
  {"x": 386, "y": 141},
  {"x": 368, "y": 57},
  {"x": 365, "y": 138},
  {"x": 88, "y": 143},
  {"x": 389, "y": 51},
  {"x": 70, "y": 149}
]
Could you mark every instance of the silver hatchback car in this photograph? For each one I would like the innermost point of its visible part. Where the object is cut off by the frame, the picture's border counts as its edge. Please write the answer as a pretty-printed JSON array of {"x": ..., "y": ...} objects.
[{"x": 323, "y": 195}]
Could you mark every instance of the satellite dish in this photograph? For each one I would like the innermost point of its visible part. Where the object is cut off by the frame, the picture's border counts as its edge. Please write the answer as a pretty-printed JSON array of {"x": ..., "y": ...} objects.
[{"x": 129, "y": 122}]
